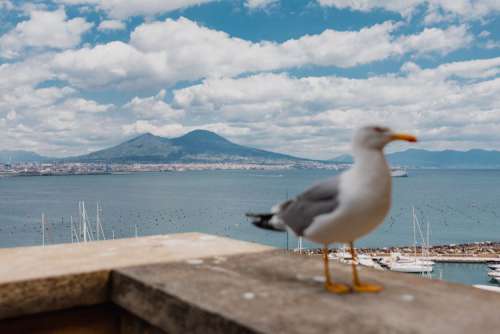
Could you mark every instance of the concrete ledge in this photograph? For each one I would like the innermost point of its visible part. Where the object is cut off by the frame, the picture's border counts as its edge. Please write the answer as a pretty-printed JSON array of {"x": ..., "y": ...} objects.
[
  {"x": 41, "y": 279},
  {"x": 274, "y": 292},
  {"x": 199, "y": 283}
]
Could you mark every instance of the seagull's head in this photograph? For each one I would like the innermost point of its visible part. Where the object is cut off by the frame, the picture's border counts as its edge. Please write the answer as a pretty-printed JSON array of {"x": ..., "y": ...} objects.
[{"x": 376, "y": 137}]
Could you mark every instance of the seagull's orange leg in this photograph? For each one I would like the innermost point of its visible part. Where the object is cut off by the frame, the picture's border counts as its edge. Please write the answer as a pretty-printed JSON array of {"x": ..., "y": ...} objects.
[
  {"x": 357, "y": 285},
  {"x": 329, "y": 285}
]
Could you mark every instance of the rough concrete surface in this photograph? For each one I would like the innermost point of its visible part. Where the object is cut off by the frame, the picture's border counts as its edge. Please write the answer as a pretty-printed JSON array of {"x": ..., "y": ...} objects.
[
  {"x": 274, "y": 292},
  {"x": 41, "y": 279}
]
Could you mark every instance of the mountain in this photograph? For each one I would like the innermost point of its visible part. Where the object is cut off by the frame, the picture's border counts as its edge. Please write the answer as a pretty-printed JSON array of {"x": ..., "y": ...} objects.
[
  {"x": 447, "y": 159},
  {"x": 195, "y": 146},
  {"x": 343, "y": 159},
  {"x": 8, "y": 156},
  {"x": 440, "y": 159}
]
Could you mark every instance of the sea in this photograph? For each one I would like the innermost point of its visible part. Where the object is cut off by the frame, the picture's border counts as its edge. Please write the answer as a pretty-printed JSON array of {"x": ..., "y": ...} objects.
[{"x": 458, "y": 206}]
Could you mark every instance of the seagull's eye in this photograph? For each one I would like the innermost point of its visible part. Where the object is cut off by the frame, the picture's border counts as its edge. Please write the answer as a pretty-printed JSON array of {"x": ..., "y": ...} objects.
[{"x": 380, "y": 129}]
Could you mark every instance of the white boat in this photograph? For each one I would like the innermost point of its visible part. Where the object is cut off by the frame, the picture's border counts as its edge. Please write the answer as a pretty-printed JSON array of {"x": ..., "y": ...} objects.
[
  {"x": 397, "y": 257},
  {"x": 494, "y": 273},
  {"x": 410, "y": 267},
  {"x": 341, "y": 255},
  {"x": 494, "y": 266},
  {"x": 487, "y": 287},
  {"x": 367, "y": 261},
  {"x": 399, "y": 172},
  {"x": 406, "y": 264}
]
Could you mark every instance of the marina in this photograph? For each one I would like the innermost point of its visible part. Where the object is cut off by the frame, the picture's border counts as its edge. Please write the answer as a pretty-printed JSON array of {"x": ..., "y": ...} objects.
[{"x": 478, "y": 252}]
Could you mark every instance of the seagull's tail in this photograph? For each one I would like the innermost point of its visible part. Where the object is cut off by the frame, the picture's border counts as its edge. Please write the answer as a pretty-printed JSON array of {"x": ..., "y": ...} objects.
[{"x": 267, "y": 221}]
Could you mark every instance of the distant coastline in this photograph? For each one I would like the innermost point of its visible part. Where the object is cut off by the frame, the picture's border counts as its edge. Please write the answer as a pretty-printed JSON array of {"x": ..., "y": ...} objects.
[
  {"x": 76, "y": 169},
  {"x": 64, "y": 169}
]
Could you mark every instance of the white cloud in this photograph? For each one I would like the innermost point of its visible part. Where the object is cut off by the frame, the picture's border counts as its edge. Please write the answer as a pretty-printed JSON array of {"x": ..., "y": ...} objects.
[
  {"x": 87, "y": 106},
  {"x": 405, "y": 8},
  {"x": 44, "y": 29},
  {"x": 484, "y": 34},
  {"x": 11, "y": 115},
  {"x": 492, "y": 44},
  {"x": 6, "y": 5},
  {"x": 259, "y": 4},
  {"x": 153, "y": 107},
  {"x": 436, "y": 10},
  {"x": 143, "y": 126},
  {"x": 55, "y": 123},
  {"x": 51, "y": 120},
  {"x": 121, "y": 9},
  {"x": 437, "y": 40},
  {"x": 111, "y": 64},
  {"x": 471, "y": 69},
  {"x": 111, "y": 25},
  {"x": 181, "y": 50}
]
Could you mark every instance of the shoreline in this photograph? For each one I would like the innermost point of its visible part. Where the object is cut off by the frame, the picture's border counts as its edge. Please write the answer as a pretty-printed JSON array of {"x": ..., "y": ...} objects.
[{"x": 484, "y": 251}]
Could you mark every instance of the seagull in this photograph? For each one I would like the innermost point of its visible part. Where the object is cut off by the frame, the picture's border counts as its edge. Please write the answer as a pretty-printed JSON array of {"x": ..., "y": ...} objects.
[{"x": 343, "y": 208}]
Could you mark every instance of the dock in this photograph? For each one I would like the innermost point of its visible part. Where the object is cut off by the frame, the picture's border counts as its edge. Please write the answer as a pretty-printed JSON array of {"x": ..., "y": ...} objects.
[{"x": 455, "y": 259}]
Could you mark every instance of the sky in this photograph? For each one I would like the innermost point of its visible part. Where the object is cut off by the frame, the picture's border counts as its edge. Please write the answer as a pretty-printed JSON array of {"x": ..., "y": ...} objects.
[{"x": 291, "y": 76}]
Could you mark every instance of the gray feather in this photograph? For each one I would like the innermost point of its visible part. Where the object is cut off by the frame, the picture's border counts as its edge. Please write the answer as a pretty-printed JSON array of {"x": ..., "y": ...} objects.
[{"x": 317, "y": 200}]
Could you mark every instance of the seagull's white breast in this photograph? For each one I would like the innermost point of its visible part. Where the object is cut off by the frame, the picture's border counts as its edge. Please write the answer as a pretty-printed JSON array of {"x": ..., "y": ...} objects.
[{"x": 364, "y": 201}]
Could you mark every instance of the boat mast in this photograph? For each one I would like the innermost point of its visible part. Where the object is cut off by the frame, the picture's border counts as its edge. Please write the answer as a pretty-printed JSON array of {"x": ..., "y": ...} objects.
[
  {"x": 97, "y": 222},
  {"x": 80, "y": 220},
  {"x": 428, "y": 242},
  {"x": 84, "y": 219},
  {"x": 43, "y": 229},
  {"x": 414, "y": 232}
]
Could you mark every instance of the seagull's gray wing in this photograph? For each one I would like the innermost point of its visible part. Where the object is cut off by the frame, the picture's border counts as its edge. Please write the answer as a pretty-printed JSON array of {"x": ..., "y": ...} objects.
[{"x": 322, "y": 198}]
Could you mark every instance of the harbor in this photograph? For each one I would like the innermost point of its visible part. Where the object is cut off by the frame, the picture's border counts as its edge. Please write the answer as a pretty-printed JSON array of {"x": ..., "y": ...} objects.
[
  {"x": 476, "y": 264},
  {"x": 476, "y": 252}
]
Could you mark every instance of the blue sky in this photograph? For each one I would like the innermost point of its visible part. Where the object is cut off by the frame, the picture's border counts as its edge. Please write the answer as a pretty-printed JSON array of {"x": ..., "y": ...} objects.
[{"x": 290, "y": 76}]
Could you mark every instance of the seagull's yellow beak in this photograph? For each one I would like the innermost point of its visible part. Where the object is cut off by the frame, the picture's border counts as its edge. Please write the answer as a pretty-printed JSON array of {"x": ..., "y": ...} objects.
[{"x": 403, "y": 136}]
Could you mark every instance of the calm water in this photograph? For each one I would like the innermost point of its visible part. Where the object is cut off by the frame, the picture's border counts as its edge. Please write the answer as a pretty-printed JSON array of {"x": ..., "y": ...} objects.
[{"x": 461, "y": 206}]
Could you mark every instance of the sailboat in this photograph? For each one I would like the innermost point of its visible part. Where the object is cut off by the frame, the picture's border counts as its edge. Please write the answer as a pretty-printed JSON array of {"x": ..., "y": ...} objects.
[
  {"x": 407, "y": 264},
  {"x": 399, "y": 172}
]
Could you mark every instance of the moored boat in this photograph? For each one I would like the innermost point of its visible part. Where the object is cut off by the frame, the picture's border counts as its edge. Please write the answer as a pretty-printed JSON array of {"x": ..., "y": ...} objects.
[
  {"x": 487, "y": 287},
  {"x": 494, "y": 274},
  {"x": 410, "y": 267},
  {"x": 494, "y": 266},
  {"x": 399, "y": 172}
]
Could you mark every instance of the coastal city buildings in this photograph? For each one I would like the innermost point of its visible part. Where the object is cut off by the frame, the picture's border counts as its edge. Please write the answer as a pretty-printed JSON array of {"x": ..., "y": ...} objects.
[{"x": 49, "y": 169}]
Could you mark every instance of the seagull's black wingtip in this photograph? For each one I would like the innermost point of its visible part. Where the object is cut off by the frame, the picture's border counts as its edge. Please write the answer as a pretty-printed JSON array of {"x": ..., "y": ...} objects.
[{"x": 262, "y": 220}]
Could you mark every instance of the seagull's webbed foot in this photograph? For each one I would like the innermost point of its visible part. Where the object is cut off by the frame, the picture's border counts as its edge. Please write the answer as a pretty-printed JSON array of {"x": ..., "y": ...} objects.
[
  {"x": 357, "y": 285},
  {"x": 367, "y": 287},
  {"x": 337, "y": 288},
  {"x": 330, "y": 286}
]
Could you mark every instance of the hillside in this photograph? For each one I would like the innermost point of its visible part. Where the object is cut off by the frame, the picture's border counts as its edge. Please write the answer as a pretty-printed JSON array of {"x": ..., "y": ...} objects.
[{"x": 9, "y": 156}]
